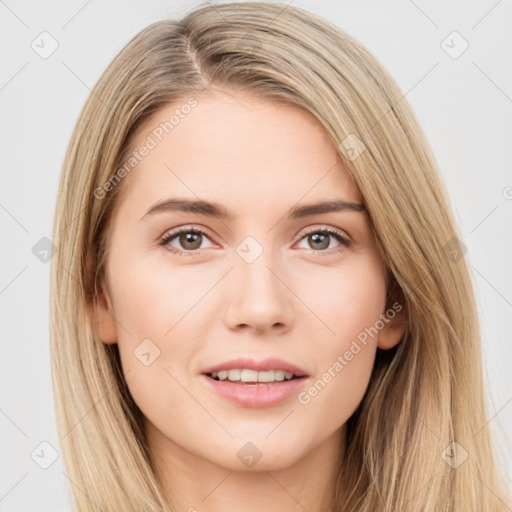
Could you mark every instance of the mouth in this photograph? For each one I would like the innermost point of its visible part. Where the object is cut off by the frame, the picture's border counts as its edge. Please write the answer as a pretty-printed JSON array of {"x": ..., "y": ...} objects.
[
  {"x": 249, "y": 377},
  {"x": 254, "y": 389}
]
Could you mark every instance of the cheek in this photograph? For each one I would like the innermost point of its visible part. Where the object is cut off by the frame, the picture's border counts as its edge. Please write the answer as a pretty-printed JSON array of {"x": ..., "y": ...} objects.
[
  {"x": 336, "y": 392},
  {"x": 348, "y": 303},
  {"x": 153, "y": 299},
  {"x": 160, "y": 313},
  {"x": 345, "y": 300}
]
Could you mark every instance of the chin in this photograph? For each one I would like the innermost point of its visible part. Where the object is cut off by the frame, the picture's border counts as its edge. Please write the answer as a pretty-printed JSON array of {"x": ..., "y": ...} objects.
[{"x": 254, "y": 454}]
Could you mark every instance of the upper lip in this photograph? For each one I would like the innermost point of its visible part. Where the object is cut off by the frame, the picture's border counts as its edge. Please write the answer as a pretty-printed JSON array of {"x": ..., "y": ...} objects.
[{"x": 271, "y": 363}]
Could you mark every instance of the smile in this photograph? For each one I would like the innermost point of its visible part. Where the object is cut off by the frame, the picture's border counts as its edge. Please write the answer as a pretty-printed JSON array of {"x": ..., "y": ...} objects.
[
  {"x": 252, "y": 393},
  {"x": 245, "y": 375}
]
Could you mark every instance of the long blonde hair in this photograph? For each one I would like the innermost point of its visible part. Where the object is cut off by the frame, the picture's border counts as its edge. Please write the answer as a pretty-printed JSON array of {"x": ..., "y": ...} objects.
[{"x": 425, "y": 394}]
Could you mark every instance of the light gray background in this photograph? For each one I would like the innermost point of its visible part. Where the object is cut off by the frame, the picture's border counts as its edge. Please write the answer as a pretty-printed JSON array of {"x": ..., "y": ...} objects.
[{"x": 464, "y": 105}]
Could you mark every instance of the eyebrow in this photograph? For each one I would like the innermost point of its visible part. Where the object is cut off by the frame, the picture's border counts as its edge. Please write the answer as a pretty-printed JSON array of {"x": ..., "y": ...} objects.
[{"x": 219, "y": 211}]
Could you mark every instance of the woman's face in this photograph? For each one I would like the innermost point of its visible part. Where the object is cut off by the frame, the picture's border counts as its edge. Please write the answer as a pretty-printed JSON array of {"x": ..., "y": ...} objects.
[{"x": 264, "y": 281}]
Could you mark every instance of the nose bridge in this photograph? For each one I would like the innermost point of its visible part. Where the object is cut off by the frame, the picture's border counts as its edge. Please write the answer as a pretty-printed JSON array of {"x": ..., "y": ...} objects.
[{"x": 260, "y": 298}]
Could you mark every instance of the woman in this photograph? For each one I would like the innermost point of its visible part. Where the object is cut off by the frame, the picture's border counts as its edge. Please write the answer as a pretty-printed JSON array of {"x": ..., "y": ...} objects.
[{"x": 259, "y": 301}]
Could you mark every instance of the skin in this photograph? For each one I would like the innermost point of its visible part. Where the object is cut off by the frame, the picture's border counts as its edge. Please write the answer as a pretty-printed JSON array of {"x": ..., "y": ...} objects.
[{"x": 298, "y": 301}]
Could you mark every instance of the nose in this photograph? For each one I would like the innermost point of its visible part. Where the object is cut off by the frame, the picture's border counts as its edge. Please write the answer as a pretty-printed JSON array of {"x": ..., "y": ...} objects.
[{"x": 259, "y": 297}]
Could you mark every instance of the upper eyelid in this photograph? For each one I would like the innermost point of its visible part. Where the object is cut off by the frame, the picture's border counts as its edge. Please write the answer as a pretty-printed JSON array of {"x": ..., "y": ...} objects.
[
  {"x": 323, "y": 227},
  {"x": 185, "y": 229}
]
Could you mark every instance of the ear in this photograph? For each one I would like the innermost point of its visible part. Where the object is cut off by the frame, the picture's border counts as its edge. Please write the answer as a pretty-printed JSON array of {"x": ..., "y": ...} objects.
[
  {"x": 395, "y": 322},
  {"x": 104, "y": 323}
]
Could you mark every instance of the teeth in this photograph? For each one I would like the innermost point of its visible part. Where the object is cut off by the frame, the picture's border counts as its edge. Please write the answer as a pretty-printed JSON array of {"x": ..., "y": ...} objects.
[{"x": 246, "y": 375}]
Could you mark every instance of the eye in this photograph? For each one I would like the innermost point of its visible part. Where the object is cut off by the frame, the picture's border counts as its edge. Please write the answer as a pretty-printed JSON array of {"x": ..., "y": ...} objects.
[
  {"x": 320, "y": 240},
  {"x": 190, "y": 240}
]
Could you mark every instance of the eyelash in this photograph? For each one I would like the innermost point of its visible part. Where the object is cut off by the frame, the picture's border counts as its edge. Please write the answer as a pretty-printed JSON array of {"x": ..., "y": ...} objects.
[{"x": 338, "y": 235}]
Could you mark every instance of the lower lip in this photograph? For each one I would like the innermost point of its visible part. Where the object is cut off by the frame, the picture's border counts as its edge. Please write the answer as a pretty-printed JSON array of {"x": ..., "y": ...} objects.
[{"x": 255, "y": 395}]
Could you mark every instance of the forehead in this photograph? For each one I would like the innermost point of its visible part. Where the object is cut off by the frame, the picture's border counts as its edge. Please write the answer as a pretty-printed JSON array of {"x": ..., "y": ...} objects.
[{"x": 237, "y": 148}]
